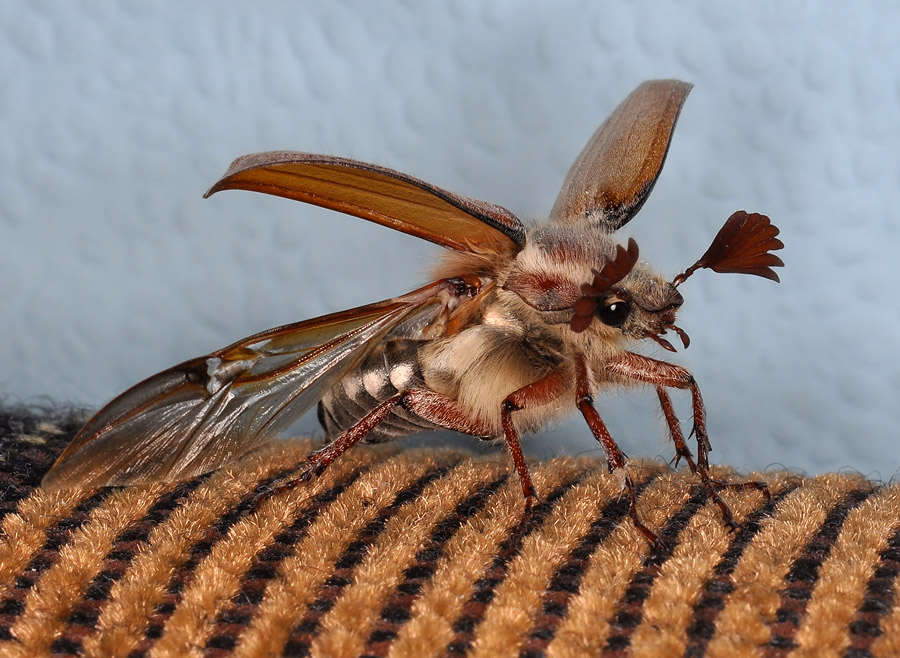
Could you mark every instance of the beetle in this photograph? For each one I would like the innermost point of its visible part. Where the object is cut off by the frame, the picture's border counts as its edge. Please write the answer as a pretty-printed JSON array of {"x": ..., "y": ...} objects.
[{"x": 519, "y": 327}]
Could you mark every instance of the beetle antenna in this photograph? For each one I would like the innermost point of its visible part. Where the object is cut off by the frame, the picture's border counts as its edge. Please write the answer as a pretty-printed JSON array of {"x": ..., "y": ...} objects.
[{"x": 741, "y": 246}]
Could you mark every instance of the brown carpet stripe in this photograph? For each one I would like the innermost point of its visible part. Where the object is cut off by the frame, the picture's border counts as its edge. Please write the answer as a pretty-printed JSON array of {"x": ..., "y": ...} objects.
[
  {"x": 343, "y": 568},
  {"x": 629, "y": 609},
  {"x": 41, "y": 520},
  {"x": 566, "y": 581},
  {"x": 31, "y": 542},
  {"x": 141, "y": 602},
  {"x": 590, "y": 619},
  {"x": 396, "y": 553},
  {"x": 745, "y": 624},
  {"x": 484, "y": 588},
  {"x": 803, "y": 576},
  {"x": 668, "y": 610},
  {"x": 887, "y": 643},
  {"x": 323, "y": 561},
  {"x": 467, "y": 557},
  {"x": 346, "y": 626},
  {"x": 218, "y": 577},
  {"x": 232, "y": 620},
  {"x": 719, "y": 585},
  {"x": 83, "y": 616},
  {"x": 49, "y": 603},
  {"x": 825, "y": 630},
  {"x": 517, "y": 600},
  {"x": 878, "y": 601},
  {"x": 398, "y": 608},
  {"x": 169, "y": 563}
]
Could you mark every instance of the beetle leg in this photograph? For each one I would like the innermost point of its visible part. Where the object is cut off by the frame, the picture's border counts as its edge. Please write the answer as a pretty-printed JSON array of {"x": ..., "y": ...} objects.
[
  {"x": 447, "y": 413},
  {"x": 681, "y": 449},
  {"x": 636, "y": 367},
  {"x": 325, "y": 456},
  {"x": 615, "y": 458},
  {"x": 427, "y": 404},
  {"x": 538, "y": 393},
  {"x": 667, "y": 375},
  {"x": 322, "y": 458}
]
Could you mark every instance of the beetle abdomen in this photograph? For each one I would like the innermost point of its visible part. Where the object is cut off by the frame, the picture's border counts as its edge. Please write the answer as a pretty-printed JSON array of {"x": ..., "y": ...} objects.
[{"x": 393, "y": 366}]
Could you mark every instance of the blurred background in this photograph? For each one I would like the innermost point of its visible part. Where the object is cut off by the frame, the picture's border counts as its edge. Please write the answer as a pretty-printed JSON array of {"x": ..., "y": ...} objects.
[{"x": 116, "y": 117}]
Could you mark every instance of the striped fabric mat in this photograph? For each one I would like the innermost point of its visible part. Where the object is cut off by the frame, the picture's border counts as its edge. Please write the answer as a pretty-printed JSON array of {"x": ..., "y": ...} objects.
[{"x": 420, "y": 553}]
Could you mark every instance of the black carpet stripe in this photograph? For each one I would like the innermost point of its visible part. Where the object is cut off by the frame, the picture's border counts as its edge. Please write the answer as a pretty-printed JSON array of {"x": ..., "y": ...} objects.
[
  {"x": 717, "y": 588},
  {"x": 877, "y": 602},
  {"x": 84, "y": 614},
  {"x": 803, "y": 575},
  {"x": 304, "y": 632},
  {"x": 398, "y": 609},
  {"x": 184, "y": 574},
  {"x": 232, "y": 621},
  {"x": 629, "y": 610},
  {"x": 13, "y": 604},
  {"x": 474, "y": 609},
  {"x": 566, "y": 582}
]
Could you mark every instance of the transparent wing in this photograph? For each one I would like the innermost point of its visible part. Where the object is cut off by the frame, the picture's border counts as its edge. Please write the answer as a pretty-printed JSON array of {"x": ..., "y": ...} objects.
[
  {"x": 615, "y": 172},
  {"x": 206, "y": 412},
  {"x": 380, "y": 195}
]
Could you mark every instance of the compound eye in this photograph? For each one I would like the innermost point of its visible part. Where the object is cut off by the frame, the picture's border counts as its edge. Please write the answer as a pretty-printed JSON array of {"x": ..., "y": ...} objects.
[{"x": 614, "y": 313}]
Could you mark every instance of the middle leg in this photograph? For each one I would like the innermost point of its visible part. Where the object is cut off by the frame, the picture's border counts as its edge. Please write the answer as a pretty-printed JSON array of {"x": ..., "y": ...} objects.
[
  {"x": 446, "y": 412},
  {"x": 615, "y": 458}
]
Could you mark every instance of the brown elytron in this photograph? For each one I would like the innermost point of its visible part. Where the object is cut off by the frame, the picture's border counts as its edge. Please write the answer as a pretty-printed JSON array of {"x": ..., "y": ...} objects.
[{"x": 519, "y": 327}]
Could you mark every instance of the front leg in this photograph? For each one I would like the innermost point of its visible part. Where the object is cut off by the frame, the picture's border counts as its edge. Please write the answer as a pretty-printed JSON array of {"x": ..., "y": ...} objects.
[{"x": 664, "y": 375}]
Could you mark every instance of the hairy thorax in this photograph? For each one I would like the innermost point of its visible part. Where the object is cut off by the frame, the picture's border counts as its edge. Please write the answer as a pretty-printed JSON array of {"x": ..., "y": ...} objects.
[
  {"x": 480, "y": 366},
  {"x": 521, "y": 332}
]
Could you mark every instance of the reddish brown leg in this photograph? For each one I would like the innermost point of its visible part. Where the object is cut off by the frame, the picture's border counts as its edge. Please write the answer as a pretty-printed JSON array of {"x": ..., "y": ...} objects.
[
  {"x": 615, "y": 459},
  {"x": 537, "y": 393},
  {"x": 662, "y": 375},
  {"x": 322, "y": 458},
  {"x": 447, "y": 413},
  {"x": 444, "y": 411},
  {"x": 712, "y": 485},
  {"x": 681, "y": 449},
  {"x": 641, "y": 368}
]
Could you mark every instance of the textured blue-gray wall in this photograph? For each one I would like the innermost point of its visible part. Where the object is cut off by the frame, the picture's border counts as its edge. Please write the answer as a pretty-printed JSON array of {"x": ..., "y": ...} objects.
[{"x": 115, "y": 117}]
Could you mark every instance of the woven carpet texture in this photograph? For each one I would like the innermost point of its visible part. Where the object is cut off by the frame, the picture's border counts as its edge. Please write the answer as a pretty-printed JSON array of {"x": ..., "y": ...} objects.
[{"x": 422, "y": 553}]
